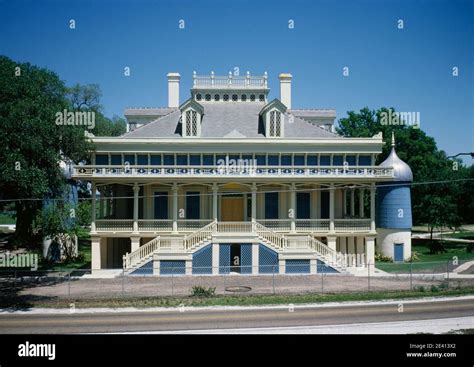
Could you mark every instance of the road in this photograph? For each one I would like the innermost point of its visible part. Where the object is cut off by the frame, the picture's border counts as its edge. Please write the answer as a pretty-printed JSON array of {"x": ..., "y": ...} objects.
[{"x": 233, "y": 318}]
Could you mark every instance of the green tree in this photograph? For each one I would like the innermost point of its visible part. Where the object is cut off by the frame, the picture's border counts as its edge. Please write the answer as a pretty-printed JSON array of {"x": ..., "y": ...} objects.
[
  {"x": 32, "y": 143},
  {"x": 420, "y": 152}
]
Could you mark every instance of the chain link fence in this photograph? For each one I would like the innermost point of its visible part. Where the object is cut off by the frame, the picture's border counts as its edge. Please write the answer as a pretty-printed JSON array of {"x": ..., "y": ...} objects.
[{"x": 43, "y": 286}]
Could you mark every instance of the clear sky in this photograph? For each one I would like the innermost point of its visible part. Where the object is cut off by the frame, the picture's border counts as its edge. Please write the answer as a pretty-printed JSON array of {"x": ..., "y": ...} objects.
[{"x": 409, "y": 69}]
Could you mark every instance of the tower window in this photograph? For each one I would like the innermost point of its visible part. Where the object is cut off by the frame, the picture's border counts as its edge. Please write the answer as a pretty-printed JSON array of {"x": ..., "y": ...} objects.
[
  {"x": 208, "y": 97},
  {"x": 261, "y": 98},
  {"x": 252, "y": 97},
  {"x": 243, "y": 97},
  {"x": 198, "y": 97},
  {"x": 226, "y": 97},
  {"x": 234, "y": 97},
  {"x": 275, "y": 124},
  {"x": 216, "y": 97}
]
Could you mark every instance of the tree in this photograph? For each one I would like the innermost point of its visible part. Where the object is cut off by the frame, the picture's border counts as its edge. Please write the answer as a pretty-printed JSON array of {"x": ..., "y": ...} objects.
[
  {"x": 32, "y": 143},
  {"x": 420, "y": 152}
]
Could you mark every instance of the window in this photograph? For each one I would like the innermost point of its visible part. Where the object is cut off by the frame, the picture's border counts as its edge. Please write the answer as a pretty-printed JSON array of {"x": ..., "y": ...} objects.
[
  {"x": 195, "y": 160},
  {"x": 208, "y": 97},
  {"x": 130, "y": 158},
  {"x": 312, "y": 160},
  {"x": 325, "y": 160},
  {"x": 243, "y": 97},
  {"x": 303, "y": 204},
  {"x": 365, "y": 160},
  {"x": 161, "y": 205},
  {"x": 226, "y": 97},
  {"x": 216, "y": 97},
  {"x": 198, "y": 97},
  {"x": 274, "y": 129},
  {"x": 155, "y": 160},
  {"x": 337, "y": 160},
  {"x": 234, "y": 97},
  {"x": 193, "y": 206},
  {"x": 351, "y": 160},
  {"x": 271, "y": 205},
  {"x": 261, "y": 98},
  {"x": 286, "y": 160},
  {"x": 169, "y": 159},
  {"x": 191, "y": 123},
  {"x": 116, "y": 159},
  {"x": 299, "y": 160},
  {"x": 101, "y": 159},
  {"x": 252, "y": 97},
  {"x": 208, "y": 160},
  {"x": 182, "y": 160},
  {"x": 142, "y": 160}
]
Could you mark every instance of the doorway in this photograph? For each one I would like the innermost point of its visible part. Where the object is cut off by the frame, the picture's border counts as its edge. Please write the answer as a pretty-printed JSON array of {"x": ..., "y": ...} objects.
[
  {"x": 232, "y": 208},
  {"x": 235, "y": 258}
]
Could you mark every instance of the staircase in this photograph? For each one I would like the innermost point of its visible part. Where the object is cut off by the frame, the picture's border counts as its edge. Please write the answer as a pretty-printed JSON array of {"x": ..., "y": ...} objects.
[{"x": 203, "y": 236}]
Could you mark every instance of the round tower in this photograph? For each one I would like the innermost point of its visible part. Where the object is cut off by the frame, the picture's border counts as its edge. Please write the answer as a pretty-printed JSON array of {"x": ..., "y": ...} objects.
[{"x": 393, "y": 214}]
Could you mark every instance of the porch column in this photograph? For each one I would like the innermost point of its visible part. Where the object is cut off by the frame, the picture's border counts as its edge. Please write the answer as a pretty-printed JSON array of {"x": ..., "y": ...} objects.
[
  {"x": 215, "y": 258},
  {"x": 351, "y": 250},
  {"x": 372, "y": 207},
  {"x": 136, "y": 190},
  {"x": 135, "y": 241},
  {"x": 331, "y": 208},
  {"x": 215, "y": 190},
  {"x": 370, "y": 250},
  {"x": 174, "y": 189},
  {"x": 361, "y": 203},
  {"x": 352, "y": 202},
  {"x": 93, "y": 190},
  {"x": 96, "y": 260},
  {"x": 293, "y": 208},
  {"x": 254, "y": 202},
  {"x": 344, "y": 201}
]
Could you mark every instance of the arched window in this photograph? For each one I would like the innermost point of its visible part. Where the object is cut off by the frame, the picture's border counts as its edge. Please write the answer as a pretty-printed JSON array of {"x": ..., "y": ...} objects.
[
  {"x": 234, "y": 97},
  {"x": 226, "y": 97},
  {"x": 243, "y": 97},
  {"x": 216, "y": 97},
  {"x": 261, "y": 98},
  {"x": 207, "y": 97},
  {"x": 252, "y": 98},
  {"x": 198, "y": 97}
]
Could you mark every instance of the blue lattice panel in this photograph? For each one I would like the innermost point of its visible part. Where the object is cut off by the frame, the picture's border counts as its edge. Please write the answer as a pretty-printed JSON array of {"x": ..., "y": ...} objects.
[
  {"x": 324, "y": 268},
  {"x": 246, "y": 258},
  {"x": 202, "y": 260},
  {"x": 224, "y": 258},
  {"x": 145, "y": 269},
  {"x": 172, "y": 267},
  {"x": 297, "y": 266},
  {"x": 267, "y": 260}
]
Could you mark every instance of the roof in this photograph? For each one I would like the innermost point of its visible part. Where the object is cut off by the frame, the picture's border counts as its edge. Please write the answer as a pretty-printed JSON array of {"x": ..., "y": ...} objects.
[
  {"x": 149, "y": 111},
  {"x": 313, "y": 113},
  {"x": 230, "y": 119},
  {"x": 401, "y": 171}
]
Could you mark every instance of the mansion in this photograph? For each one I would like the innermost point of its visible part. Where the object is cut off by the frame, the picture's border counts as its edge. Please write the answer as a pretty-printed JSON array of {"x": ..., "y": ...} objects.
[{"x": 228, "y": 181}]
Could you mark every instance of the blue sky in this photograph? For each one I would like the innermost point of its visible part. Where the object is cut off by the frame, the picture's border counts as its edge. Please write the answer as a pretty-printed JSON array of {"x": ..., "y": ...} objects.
[{"x": 409, "y": 69}]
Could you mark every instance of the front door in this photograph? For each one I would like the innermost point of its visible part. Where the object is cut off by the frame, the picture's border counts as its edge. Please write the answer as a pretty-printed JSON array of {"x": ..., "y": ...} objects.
[
  {"x": 398, "y": 252},
  {"x": 232, "y": 209},
  {"x": 235, "y": 258}
]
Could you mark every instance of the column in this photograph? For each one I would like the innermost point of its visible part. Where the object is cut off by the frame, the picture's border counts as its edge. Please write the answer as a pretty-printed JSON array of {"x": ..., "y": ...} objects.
[
  {"x": 254, "y": 202},
  {"x": 351, "y": 250},
  {"x": 344, "y": 201},
  {"x": 372, "y": 207},
  {"x": 313, "y": 266},
  {"x": 331, "y": 209},
  {"x": 293, "y": 208},
  {"x": 215, "y": 258},
  {"x": 96, "y": 260},
  {"x": 281, "y": 266},
  {"x": 352, "y": 202},
  {"x": 189, "y": 267},
  {"x": 135, "y": 241},
  {"x": 370, "y": 250},
  {"x": 215, "y": 190},
  {"x": 93, "y": 190},
  {"x": 361, "y": 203},
  {"x": 255, "y": 257},
  {"x": 360, "y": 251},
  {"x": 174, "y": 189},
  {"x": 136, "y": 190}
]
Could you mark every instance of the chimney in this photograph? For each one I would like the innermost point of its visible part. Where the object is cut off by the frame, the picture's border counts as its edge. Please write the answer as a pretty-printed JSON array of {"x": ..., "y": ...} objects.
[
  {"x": 285, "y": 89},
  {"x": 173, "y": 89}
]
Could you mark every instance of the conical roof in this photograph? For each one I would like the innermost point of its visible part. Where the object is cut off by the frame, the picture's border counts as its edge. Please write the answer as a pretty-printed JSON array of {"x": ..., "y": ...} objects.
[{"x": 402, "y": 171}]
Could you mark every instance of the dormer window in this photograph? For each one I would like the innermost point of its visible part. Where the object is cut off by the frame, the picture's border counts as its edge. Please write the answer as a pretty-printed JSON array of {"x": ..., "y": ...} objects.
[
  {"x": 198, "y": 97},
  {"x": 261, "y": 98},
  {"x": 243, "y": 97},
  {"x": 216, "y": 98},
  {"x": 226, "y": 97},
  {"x": 208, "y": 97},
  {"x": 252, "y": 98},
  {"x": 234, "y": 97},
  {"x": 274, "y": 128},
  {"x": 191, "y": 124}
]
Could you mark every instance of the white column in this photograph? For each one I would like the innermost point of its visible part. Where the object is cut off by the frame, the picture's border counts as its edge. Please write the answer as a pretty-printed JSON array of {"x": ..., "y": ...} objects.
[
  {"x": 360, "y": 251},
  {"x": 313, "y": 266},
  {"x": 370, "y": 250},
  {"x": 215, "y": 258},
  {"x": 344, "y": 201},
  {"x": 174, "y": 189},
  {"x": 215, "y": 190},
  {"x": 361, "y": 203},
  {"x": 332, "y": 242},
  {"x": 372, "y": 207},
  {"x": 136, "y": 190},
  {"x": 255, "y": 257},
  {"x": 331, "y": 209},
  {"x": 189, "y": 267},
  {"x": 293, "y": 208},
  {"x": 93, "y": 190},
  {"x": 156, "y": 267},
  {"x": 96, "y": 260},
  {"x": 135, "y": 241},
  {"x": 254, "y": 202},
  {"x": 352, "y": 202},
  {"x": 281, "y": 266},
  {"x": 351, "y": 250}
]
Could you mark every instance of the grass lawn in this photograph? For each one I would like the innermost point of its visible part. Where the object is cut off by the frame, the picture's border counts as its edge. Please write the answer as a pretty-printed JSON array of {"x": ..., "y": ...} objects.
[
  {"x": 236, "y": 300},
  {"x": 427, "y": 262},
  {"x": 6, "y": 218},
  {"x": 467, "y": 235}
]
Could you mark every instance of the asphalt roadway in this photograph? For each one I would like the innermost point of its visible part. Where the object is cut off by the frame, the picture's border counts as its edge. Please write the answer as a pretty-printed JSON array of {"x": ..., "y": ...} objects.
[{"x": 185, "y": 319}]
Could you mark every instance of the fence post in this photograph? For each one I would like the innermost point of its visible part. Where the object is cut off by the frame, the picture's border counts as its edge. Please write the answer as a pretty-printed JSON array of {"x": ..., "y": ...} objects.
[
  {"x": 172, "y": 279},
  {"x": 322, "y": 282},
  {"x": 447, "y": 273},
  {"x": 273, "y": 280},
  {"x": 69, "y": 285},
  {"x": 368, "y": 276},
  {"x": 123, "y": 282},
  {"x": 411, "y": 275},
  {"x": 224, "y": 273}
]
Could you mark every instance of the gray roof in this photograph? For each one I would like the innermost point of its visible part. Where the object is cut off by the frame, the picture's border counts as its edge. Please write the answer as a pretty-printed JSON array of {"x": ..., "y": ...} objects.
[
  {"x": 230, "y": 120},
  {"x": 313, "y": 113},
  {"x": 149, "y": 111}
]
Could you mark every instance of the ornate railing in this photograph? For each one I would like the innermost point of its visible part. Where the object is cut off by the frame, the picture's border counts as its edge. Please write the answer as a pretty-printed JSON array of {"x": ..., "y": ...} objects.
[
  {"x": 230, "y": 171},
  {"x": 114, "y": 225},
  {"x": 234, "y": 227},
  {"x": 352, "y": 225},
  {"x": 269, "y": 235},
  {"x": 131, "y": 259},
  {"x": 197, "y": 237},
  {"x": 246, "y": 81}
]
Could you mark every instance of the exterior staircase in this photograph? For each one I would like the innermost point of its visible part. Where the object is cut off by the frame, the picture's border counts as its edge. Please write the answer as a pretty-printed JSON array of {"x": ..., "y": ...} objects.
[{"x": 204, "y": 236}]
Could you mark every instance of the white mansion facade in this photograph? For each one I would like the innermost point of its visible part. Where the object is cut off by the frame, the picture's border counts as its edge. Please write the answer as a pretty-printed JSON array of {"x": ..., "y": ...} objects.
[{"x": 229, "y": 181}]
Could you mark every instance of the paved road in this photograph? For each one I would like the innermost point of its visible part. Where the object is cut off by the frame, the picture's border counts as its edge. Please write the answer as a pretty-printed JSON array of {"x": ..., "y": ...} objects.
[{"x": 202, "y": 319}]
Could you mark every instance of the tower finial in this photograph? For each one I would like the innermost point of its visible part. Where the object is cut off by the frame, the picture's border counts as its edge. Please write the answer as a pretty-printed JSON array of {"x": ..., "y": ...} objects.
[{"x": 393, "y": 139}]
